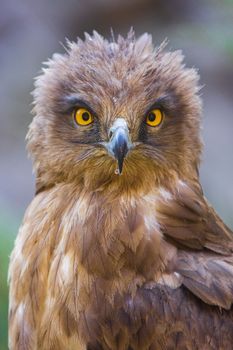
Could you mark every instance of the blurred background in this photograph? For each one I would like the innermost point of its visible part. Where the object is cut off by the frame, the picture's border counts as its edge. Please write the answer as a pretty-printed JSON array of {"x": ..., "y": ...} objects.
[{"x": 30, "y": 31}]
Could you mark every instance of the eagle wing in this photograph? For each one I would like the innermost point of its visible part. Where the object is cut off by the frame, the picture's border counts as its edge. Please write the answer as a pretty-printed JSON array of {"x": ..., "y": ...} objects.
[{"x": 204, "y": 242}]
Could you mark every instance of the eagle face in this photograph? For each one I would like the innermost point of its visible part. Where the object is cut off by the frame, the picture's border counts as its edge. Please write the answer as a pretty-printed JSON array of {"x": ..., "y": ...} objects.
[{"x": 117, "y": 108}]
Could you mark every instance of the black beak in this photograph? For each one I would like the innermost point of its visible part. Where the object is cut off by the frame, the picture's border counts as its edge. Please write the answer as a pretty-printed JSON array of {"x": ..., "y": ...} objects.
[{"x": 119, "y": 143}]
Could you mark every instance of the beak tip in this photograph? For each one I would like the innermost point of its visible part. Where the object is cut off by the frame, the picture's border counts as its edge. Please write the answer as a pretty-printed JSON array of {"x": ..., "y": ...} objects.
[{"x": 119, "y": 169}]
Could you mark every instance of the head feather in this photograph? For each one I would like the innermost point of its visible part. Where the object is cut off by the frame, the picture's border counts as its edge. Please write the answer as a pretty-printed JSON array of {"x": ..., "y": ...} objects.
[{"x": 122, "y": 77}]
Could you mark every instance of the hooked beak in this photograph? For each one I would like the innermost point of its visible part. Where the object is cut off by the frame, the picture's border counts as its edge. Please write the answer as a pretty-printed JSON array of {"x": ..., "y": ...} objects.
[{"x": 119, "y": 142}]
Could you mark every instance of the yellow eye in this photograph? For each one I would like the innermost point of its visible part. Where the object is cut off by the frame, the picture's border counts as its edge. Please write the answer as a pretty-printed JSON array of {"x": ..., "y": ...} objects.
[
  {"x": 154, "y": 117},
  {"x": 83, "y": 117}
]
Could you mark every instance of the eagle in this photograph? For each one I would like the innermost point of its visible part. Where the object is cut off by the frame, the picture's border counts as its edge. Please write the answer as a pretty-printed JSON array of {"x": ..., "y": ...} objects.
[{"x": 119, "y": 249}]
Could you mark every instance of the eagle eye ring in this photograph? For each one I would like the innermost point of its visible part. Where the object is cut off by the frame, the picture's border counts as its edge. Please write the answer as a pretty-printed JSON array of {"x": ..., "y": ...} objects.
[
  {"x": 83, "y": 117},
  {"x": 154, "y": 117}
]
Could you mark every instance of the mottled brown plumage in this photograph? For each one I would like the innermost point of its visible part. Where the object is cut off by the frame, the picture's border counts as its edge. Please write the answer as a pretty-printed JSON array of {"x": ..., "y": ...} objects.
[{"x": 136, "y": 261}]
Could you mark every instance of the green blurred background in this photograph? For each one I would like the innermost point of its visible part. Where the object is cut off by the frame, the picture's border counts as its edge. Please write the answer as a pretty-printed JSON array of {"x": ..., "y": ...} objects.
[{"x": 30, "y": 31}]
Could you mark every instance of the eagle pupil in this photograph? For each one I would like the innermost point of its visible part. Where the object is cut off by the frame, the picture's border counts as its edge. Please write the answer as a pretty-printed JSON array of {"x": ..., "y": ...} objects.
[
  {"x": 85, "y": 116},
  {"x": 151, "y": 117}
]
